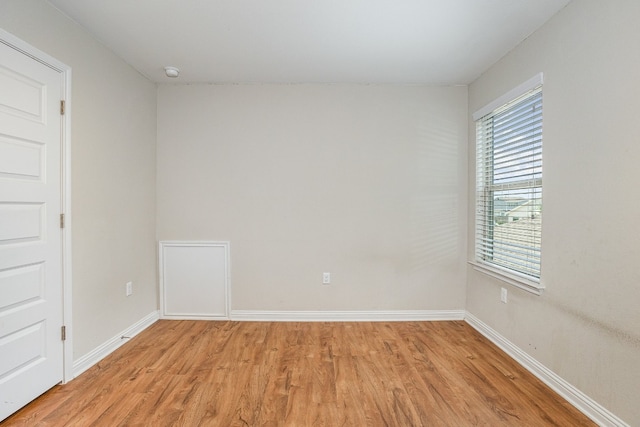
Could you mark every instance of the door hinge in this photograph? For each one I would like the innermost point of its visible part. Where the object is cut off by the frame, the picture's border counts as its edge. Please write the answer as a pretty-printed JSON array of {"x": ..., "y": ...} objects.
[
  {"x": 62, "y": 105},
  {"x": 63, "y": 333},
  {"x": 61, "y": 220}
]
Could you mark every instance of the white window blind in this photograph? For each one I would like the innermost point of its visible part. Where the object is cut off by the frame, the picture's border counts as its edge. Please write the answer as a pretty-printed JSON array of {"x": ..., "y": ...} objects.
[{"x": 509, "y": 186}]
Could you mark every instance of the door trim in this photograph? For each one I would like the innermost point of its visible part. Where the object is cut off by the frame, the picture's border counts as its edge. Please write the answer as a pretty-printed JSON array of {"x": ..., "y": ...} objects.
[{"x": 65, "y": 190}]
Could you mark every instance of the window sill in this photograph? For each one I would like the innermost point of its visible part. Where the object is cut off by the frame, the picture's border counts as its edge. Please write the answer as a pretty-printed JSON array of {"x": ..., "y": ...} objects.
[{"x": 513, "y": 279}]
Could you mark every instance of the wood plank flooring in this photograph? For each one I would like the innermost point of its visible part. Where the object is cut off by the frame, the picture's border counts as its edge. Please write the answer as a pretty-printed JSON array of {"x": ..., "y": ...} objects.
[{"x": 198, "y": 373}]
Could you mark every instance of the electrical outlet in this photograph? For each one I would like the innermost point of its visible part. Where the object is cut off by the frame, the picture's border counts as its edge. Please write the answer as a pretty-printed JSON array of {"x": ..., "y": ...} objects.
[
  {"x": 128, "y": 288},
  {"x": 503, "y": 295},
  {"x": 326, "y": 278}
]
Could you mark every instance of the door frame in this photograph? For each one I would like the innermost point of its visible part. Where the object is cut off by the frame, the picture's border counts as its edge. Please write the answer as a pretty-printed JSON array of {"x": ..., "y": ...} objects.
[{"x": 65, "y": 187}]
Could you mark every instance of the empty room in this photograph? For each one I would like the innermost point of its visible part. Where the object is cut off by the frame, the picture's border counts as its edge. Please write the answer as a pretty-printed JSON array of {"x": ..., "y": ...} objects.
[{"x": 319, "y": 213}]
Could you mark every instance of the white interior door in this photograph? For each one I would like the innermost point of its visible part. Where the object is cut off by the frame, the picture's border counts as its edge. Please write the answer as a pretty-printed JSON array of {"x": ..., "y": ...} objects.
[{"x": 31, "y": 293}]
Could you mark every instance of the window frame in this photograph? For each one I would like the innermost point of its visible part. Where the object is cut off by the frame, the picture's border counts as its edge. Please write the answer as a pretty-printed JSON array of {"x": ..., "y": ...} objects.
[{"x": 521, "y": 280}]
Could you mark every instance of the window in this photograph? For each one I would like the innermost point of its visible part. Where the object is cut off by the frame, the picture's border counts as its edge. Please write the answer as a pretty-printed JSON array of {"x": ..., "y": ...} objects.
[{"x": 509, "y": 186}]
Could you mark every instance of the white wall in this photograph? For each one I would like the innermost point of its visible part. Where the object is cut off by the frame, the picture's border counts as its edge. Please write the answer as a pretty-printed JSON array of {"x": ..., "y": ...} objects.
[
  {"x": 586, "y": 325},
  {"x": 113, "y": 174},
  {"x": 365, "y": 182}
]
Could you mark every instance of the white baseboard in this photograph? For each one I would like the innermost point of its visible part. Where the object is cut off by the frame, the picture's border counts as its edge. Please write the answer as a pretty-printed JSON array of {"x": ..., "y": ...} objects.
[
  {"x": 581, "y": 401},
  {"x": 345, "y": 316},
  {"x": 193, "y": 317},
  {"x": 108, "y": 347}
]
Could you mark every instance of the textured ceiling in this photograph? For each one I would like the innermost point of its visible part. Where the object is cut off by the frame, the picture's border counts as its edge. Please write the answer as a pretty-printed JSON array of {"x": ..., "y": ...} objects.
[{"x": 312, "y": 41}]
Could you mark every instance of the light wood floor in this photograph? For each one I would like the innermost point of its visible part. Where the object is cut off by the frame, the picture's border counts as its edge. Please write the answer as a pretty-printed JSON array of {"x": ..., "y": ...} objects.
[{"x": 191, "y": 373}]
